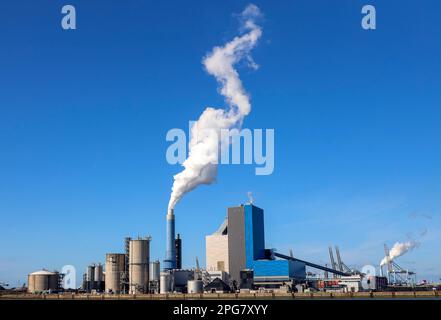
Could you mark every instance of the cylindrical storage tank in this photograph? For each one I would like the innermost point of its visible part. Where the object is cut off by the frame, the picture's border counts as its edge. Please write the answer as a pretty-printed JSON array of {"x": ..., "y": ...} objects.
[
  {"x": 195, "y": 286},
  {"x": 98, "y": 276},
  {"x": 115, "y": 263},
  {"x": 165, "y": 282},
  {"x": 155, "y": 271},
  {"x": 90, "y": 276},
  {"x": 139, "y": 258},
  {"x": 84, "y": 284},
  {"x": 31, "y": 284},
  {"x": 54, "y": 281},
  {"x": 90, "y": 273},
  {"x": 38, "y": 282},
  {"x": 43, "y": 280}
]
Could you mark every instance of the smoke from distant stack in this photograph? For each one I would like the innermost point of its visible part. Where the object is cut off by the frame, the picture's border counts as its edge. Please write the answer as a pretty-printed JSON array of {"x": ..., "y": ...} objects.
[{"x": 399, "y": 249}]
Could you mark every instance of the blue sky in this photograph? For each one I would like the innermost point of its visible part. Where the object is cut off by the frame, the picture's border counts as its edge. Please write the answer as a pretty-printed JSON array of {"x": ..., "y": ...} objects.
[{"x": 84, "y": 114}]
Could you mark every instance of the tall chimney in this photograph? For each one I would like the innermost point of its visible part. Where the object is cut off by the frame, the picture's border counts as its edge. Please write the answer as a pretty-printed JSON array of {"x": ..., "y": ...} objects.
[{"x": 170, "y": 254}]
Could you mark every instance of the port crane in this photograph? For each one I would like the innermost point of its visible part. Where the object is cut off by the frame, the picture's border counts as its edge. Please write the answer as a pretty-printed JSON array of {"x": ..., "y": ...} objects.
[{"x": 200, "y": 274}]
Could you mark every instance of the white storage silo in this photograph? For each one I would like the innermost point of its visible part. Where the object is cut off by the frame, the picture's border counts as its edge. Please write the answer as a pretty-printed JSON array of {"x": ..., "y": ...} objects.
[
  {"x": 154, "y": 271},
  {"x": 165, "y": 283},
  {"x": 195, "y": 286}
]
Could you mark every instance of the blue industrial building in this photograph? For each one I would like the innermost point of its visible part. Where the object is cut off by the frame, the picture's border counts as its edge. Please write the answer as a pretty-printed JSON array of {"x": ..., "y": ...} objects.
[
  {"x": 265, "y": 268},
  {"x": 239, "y": 244}
]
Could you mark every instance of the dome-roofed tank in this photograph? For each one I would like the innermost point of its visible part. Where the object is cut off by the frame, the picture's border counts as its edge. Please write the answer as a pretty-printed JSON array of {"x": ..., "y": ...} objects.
[{"x": 43, "y": 280}]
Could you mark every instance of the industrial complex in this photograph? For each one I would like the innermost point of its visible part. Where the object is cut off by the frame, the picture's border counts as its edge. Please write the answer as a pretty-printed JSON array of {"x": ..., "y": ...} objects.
[{"x": 237, "y": 261}]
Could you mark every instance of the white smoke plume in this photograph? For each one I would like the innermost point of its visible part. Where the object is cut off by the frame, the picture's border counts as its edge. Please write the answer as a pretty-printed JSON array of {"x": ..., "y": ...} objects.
[
  {"x": 201, "y": 165},
  {"x": 399, "y": 249}
]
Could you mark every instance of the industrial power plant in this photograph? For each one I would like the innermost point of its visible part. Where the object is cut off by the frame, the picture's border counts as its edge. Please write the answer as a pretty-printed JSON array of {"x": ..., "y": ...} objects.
[{"x": 237, "y": 262}]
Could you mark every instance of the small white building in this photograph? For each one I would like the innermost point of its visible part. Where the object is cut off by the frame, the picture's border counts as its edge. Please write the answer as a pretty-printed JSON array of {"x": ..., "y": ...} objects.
[{"x": 352, "y": 283}]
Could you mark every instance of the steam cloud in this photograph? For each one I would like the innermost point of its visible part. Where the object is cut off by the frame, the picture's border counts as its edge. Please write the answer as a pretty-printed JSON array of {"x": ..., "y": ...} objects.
[
  {"x": 201, "y": 165},
  {"x": 399, "y": 249}
]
